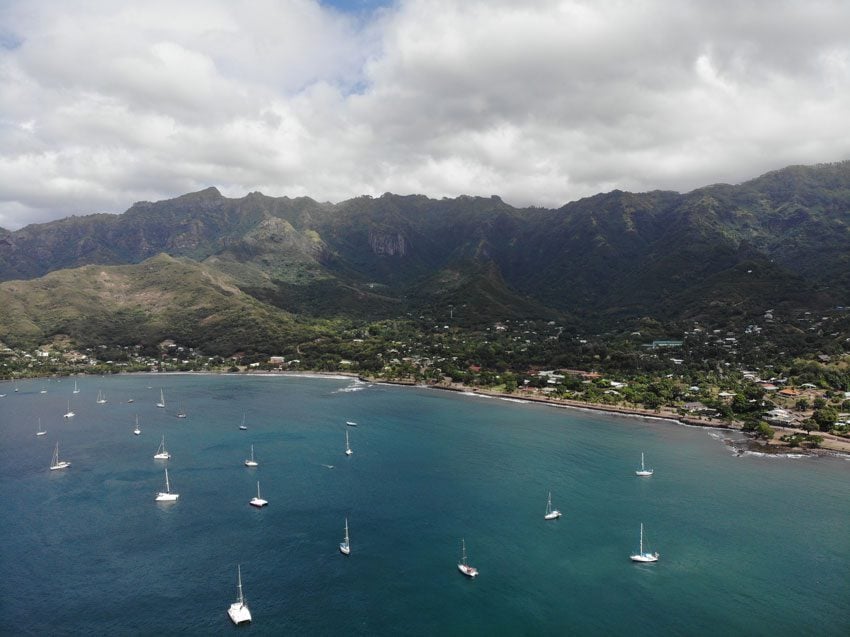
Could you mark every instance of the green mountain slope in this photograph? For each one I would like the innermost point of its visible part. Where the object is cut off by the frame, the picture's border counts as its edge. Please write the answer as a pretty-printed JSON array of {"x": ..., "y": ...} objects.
[
  {"x": 715, "y": 252},
  {"x": 158, "y": 299}
]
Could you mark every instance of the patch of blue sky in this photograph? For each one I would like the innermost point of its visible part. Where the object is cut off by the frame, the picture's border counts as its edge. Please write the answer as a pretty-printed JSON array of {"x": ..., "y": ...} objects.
[{"x": 357, "y": 6}]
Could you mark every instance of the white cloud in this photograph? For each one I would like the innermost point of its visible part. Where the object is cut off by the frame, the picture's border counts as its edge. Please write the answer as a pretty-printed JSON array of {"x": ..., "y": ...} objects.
[{"x": 541, "y": 102}]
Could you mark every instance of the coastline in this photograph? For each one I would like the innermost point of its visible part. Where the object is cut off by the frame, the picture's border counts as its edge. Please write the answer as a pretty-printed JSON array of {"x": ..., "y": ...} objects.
[{"x": 832, "y": 445}]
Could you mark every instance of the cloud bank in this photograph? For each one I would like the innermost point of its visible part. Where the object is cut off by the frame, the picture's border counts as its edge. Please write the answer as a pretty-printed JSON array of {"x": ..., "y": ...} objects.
[{"x": 104, "y": 103}]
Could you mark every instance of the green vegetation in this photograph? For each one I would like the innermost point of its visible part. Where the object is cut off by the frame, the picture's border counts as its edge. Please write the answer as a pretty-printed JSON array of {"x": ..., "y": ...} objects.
[{"x": 705, "y": 305}]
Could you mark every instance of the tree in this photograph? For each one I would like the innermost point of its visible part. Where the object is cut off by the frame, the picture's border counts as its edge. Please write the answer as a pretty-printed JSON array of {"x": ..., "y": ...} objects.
[
  {"x": 765, "y": 431},
  {"x": 802, "y": 404},
  {"x": 825, "y": 418}
]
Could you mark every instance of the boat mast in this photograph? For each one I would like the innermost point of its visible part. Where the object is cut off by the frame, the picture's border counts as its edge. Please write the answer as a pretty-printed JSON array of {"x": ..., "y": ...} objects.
[{"x": 239, "y": 585}]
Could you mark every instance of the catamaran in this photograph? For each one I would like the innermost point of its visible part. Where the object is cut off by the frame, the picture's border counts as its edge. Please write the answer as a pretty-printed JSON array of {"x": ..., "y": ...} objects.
[
  {"x": 137, "y": 431},
  {"x": 348, "y": 450},
  {"x": 69, "y": 413},
  {"x": 551, "y": 514},
  {"x": 643, "y": 471},
  {"x": 238, "y": 611},
  {"x": 251, "y": 462},
  {"x": 167, "y": 496},
  {"x": 344, "y": 546},
  {"x": 161, "y": 403},
  {"x": 641, "y": 555},
  {"x": 40, "y": 431},
  {"x": 162, "y": 452},
  {"x": 463, "y": 567},
  {"x": 258, "y": 501},
  {"x": 56, "y": 463}
]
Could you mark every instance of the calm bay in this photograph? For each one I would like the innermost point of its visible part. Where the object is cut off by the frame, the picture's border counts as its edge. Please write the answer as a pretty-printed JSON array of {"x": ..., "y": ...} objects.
[{"x": 749, "y": 545}]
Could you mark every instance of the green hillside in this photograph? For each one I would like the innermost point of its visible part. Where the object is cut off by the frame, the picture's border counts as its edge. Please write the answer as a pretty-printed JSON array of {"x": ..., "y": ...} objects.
[
  {"x": 161, "y": 298},
  {"x": 719, "y": 253}
]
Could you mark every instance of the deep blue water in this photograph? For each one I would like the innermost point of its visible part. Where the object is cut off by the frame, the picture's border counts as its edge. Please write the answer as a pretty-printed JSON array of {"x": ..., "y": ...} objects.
[{"x": 749, "y": 545}]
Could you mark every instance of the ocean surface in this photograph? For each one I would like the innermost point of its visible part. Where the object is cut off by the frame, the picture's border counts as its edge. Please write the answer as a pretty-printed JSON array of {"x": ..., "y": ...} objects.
[{"x": 749, "y": 545}]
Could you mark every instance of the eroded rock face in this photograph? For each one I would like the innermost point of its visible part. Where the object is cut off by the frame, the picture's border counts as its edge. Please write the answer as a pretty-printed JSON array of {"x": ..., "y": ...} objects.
[{"x": 386, "y": 243}]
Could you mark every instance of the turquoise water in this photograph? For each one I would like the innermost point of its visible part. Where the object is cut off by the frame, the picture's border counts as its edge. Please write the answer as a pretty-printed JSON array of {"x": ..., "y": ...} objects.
[{"x": 749, "y": 545}]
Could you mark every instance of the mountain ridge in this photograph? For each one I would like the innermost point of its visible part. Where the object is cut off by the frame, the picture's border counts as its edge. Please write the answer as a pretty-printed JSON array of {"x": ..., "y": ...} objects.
[{"x": 715, "y": 252}]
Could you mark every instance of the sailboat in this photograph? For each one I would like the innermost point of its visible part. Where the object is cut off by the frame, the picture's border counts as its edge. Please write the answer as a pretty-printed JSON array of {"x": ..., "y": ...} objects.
[
  {"x": 76, "y": 389},
  {"x": 348, "y": 450},
  {"x": 43, "y": 391},
  {"x": 642, "y": 556},
  {"x": 643, "y": 471},
  {"x": 238, "y": 611},
  {"x": 161, "y": 403},
  {"x": 251, "y": 462},
  {"x": 181, "y": 413},
  {"x": 243, "y": 426},
  {"x": 40, "y": 431},
  {"x": 138, "y": 431},
  {"x": 350, "y": 423},
  {"x": 344, "y": 546},
  {"x": 258, "y": 501},
  {"x": 162, "y": 452},
  {"x": 167, "y": 496},
  {"x": 69, "y": 414},
  {"x": 101, "y": 398},
  {"x": 56, "y": 463},
  {"x": 551, "y": 514},
  {"x": 463, "y": 567}
]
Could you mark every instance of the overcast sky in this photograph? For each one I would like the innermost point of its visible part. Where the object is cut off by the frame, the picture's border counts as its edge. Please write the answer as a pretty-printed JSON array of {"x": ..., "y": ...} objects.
[{"x": 104, "y": 103}]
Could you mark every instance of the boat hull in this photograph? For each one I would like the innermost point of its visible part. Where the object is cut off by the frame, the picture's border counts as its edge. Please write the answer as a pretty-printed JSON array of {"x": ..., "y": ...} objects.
[
  {"x": 251, "y": 463},
  {"x": 162, "y": 456},
  {"x": 554, "y": 515},
  {"x": 644, "y": 557},
  {"x": 258, "y": 502},
  {"x": 344, "y": 548},
  {"x": 644, "y": 473},
  {"x": 469, "y": 571},
  {"x": 60, "y": 465},
  {"x": 239, "y": 614},
  {"x": 167, "y": 497}
]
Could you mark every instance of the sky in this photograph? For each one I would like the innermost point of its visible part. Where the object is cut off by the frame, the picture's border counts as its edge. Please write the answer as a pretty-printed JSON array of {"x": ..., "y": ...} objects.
[{"x": 105, "y": 102}]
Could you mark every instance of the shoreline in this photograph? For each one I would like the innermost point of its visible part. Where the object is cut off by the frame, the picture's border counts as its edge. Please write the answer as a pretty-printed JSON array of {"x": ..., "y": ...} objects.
[{"x": 832, "y": 446}]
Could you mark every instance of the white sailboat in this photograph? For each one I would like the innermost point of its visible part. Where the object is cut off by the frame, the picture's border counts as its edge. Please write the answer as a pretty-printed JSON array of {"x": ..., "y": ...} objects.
[
  {"x": 43, "y": 391},
  {"x": 463, "y": 567},
  {"x": 641, "y": 555},
  {"x": 56, "y": 463},
  {"x": 238, "y": 611},
  {"x": 251, "y": 462},
  {"x": 167, "y": 496},
  {"x": 138, "y": 431},
  {"x": 345, "y": 546},
  {"x": 551, "y": 514},
  {"x": 348, "y": 450},
  {"x": 243, "y": 426},
  {"x": 101, "y": 398},
  {"x": 40, "y": 431},
  {"x": 161, "y": 403},
  {"x": 643, "y": 471},
  {"x": 76, "y": 389},
  {"x": 350, "y": 423},
  {"x": 181, "y": 413},
  {"x": 258, "y": 501},
  {"x": 69, "y": 413},
  {"x": 162, "y": 452}
]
